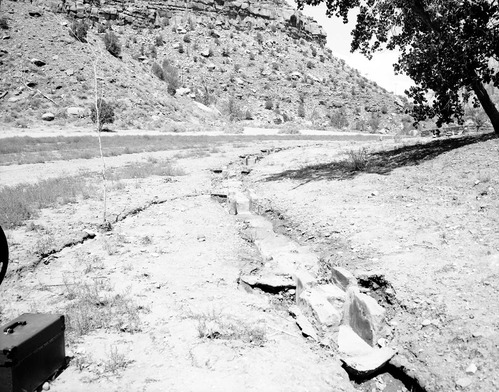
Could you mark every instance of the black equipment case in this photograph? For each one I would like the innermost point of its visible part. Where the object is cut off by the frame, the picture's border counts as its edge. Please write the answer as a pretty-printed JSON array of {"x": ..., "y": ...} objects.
[{"x": 31, "y": 351}]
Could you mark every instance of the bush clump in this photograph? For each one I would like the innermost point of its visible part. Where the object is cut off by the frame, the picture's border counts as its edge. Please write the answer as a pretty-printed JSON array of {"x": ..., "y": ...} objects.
[
  {"x": 102, "y": 113},
  {"x": 167, "y": 73},
  {"x": 78, "y": 30},
  {"x": 112, "y": 44},
  {"x": 3, "y": 23}
]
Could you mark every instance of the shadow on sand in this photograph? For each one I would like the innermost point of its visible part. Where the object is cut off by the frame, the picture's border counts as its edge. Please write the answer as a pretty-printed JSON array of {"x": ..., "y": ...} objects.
[{"x": 381, "y": 162}]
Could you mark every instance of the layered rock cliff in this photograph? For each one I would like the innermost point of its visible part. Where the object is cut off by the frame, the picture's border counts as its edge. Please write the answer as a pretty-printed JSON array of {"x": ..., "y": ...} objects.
[{"x": 243, "y": 13}]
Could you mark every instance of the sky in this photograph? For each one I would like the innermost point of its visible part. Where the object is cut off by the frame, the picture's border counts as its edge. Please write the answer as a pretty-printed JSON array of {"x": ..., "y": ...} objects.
[{"x": 379, "y": 69}]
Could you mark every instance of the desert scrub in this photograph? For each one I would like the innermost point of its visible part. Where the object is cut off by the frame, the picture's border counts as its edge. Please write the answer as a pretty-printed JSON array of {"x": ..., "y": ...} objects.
[
  {"x": 358, "y": 160},
  {"x": 92, "y": 305},
  {"x": 112, "y": 44},
  {"x": 144, "y": 170},
  {"x": 4, "y": 24},
  {"x": 215, "y": 325},
  {"x": 78, "y": 29},
  {"x": 105, "y": 113},
  {"x": 22, "y": 202}
]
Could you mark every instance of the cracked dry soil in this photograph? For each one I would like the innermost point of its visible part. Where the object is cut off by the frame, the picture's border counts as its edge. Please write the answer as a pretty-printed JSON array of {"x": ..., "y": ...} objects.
[{"x": 154, "y": 304}]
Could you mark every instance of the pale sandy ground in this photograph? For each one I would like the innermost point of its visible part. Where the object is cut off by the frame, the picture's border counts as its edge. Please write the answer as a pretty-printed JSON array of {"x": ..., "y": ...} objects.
[{"x": 430, "y": 229}]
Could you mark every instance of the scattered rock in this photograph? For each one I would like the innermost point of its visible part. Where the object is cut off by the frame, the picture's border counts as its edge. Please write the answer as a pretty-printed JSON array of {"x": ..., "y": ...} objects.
[
  {"x": 211, "y": 67},
  {"x": 463, "y": 382},
  {"x": 38, "y": 62},
  {"x": 46, "y": 386},
  {"x": 364, "y": 365},
  {"x": 70, "y": 72},
  {"x": 183, "y": 91},
  {"x": 76, "y": 111},
  {"x": 6, "y": 37},
  {"x": 48, "y": 116},
  {"x": 471, "y": 369},
  {"x": 206, "y": 53},
  {"x": 35, "y": 13}
]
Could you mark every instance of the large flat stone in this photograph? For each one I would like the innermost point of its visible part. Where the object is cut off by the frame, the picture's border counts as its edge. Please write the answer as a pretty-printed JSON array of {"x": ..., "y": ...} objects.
[
  {"x": 351, "y": 344},
  {"x": 365, "y": 364},
  {"x": 364, "y": 315},
  {"x": 335, "y": 296},
  {"x": 269, "y": 283},
  {"x": 306, "y": 327},
  {"x": 314, "y": 303}
]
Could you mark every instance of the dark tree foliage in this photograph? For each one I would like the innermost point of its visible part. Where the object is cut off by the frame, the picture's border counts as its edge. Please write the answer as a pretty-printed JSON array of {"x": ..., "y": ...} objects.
[{"x": 447, "y": 47}]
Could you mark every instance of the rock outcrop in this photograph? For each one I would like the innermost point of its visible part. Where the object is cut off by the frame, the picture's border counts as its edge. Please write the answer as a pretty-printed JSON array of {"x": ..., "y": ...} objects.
[{"x": 258, "y": 15}]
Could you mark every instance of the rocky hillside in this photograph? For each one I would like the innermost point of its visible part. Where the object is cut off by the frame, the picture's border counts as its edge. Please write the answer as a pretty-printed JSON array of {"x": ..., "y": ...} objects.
[{"x": 181, "y": 66}]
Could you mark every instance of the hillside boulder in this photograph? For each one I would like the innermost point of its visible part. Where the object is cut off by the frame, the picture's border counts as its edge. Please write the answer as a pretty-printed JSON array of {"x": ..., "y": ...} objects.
[{"x": 48, "y": 116}]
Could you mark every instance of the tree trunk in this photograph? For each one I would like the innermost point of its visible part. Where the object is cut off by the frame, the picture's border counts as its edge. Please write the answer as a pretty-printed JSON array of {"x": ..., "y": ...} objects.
[{"x": 487, "y": 105}]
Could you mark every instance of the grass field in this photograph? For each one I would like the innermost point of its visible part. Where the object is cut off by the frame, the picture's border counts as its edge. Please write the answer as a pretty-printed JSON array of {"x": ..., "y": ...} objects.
[
  {"x": 26, "y": 150},
  {"x": 22, "y": 202}
]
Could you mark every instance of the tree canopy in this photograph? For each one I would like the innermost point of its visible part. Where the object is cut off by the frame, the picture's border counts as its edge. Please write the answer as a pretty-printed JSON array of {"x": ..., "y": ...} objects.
[{"x": 449, "y": 47}]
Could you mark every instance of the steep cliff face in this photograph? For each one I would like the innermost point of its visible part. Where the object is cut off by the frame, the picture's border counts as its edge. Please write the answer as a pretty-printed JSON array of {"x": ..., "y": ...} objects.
[{"x": 242, "y": 13}]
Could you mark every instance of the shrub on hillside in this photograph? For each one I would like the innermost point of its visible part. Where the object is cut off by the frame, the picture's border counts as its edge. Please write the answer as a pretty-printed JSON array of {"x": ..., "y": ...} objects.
[
  {"x": 158, "y": 40},
  {"x": 112, "y": 44},
  {"x": 374, "y": 122},
  {"x": 102, "y": 114},
  {"x": 338, "y": 119},
  {"x": 234, "y": 110},
  {"x": 153, "y": 53},
  {"x": 78, "y": 30},
  {"x": 4, "y": 24},
  {"x": 259, "y": 38},
  {"x": 157, "y": 71},
  {"x": 301, "y": 110},
  {"x": 171, "y": 77}
]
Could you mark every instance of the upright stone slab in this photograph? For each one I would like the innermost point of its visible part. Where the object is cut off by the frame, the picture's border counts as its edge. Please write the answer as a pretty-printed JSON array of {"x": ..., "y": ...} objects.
[
  {"x": 364, "y": 315},
  {"x": 303, "y": 280},
  {"x": 343, "y": 278}
]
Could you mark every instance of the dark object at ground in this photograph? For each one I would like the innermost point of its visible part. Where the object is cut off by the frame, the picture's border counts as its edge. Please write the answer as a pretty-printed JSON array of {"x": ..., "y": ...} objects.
[
  {"x": 4, "y": 255},
  {"x": 31, "y": 351}
]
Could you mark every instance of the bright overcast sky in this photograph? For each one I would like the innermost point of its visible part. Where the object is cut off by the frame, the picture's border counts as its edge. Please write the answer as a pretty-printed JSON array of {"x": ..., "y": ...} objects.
[{"x": 379, "y": 69}]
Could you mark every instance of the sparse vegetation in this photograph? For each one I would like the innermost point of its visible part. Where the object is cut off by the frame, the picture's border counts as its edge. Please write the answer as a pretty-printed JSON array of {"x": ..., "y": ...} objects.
[
  {"x": 20, "y": 203},
  {"x": 215, "y": 325},
  {"x": 358, "y": 160},
  {"x": 94, "y": 305}
]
